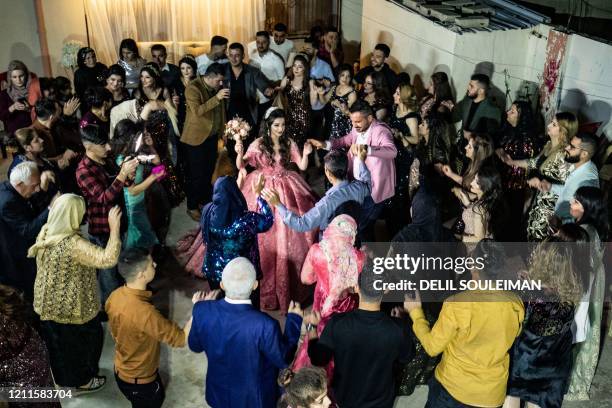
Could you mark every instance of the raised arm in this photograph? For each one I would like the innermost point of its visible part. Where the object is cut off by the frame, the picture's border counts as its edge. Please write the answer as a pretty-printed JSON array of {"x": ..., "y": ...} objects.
[
  {"x": 303, "y": 159},
  {"x": 195, "y": 103}
]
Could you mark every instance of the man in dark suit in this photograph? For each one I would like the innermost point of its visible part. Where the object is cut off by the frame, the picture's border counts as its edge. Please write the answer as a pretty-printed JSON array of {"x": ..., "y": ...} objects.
[
  {"x": 19, "y": 226},
  {"x": 244, "y": 80},
  {"x": 245, "y": 348},
  {"x": 170, "y": 73}
]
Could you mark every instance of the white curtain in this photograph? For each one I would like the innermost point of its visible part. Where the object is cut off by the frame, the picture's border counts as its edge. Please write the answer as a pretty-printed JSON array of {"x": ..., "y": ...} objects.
[{"x": 172, "y": 21}]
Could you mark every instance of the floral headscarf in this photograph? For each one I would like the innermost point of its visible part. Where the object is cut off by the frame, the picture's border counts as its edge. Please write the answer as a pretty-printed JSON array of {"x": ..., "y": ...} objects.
[{"x": 337, "y": 245}]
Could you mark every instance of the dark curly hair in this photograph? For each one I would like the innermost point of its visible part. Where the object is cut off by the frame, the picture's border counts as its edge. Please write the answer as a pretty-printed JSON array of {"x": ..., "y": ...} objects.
[
  {"x": 492, "y": 205},
  {"x": 524, "y": 130},
  {"x": 267, "y": 145}
]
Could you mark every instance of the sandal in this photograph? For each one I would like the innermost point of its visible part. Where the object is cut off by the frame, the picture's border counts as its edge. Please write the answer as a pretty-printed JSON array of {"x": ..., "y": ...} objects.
[{"x": 96, "y": 384}]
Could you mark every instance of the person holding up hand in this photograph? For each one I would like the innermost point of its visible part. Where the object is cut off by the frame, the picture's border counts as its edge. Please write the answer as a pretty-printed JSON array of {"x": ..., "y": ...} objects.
[
  {"x": 66, "y": 292},
  {"x": 101, "y": 192},
  {"x": 282, "y": 249},
  {"x": 245, "y": 348}
]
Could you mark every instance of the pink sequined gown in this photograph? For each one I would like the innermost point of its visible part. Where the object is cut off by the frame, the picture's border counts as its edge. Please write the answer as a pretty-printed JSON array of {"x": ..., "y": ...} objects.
[
  {"x": 334, "y": 264},
  {"x": 282, "y": 250}
]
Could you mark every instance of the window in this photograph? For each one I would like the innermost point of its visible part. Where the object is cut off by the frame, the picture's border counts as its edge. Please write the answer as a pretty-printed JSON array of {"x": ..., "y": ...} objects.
[{"x": 301, "y": 15}]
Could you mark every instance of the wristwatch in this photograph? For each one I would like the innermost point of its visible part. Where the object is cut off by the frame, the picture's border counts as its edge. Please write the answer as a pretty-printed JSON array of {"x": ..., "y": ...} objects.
[{"x": 311, "y": 326}]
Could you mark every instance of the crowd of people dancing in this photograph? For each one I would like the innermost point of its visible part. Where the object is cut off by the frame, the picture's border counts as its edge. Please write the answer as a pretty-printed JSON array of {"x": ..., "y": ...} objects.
[{"x": 242, "y": 134}]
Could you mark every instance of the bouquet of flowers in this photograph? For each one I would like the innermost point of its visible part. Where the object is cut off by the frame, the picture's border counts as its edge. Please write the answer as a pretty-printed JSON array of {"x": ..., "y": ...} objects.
[
  {"x": 69, "y": 54},
  {"x": 237, "y": 128}
]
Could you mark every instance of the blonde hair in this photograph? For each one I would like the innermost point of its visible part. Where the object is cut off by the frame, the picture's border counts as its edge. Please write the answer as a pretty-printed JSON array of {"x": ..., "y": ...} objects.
[
  {"x": 551, "y": 263},
  {"x": 408, "y": 96},
  {"x": 568, "y": 123}
]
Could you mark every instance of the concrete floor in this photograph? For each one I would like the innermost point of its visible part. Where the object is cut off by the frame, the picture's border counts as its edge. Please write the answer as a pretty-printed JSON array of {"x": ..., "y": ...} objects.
[{"x": 184, "y": 372}]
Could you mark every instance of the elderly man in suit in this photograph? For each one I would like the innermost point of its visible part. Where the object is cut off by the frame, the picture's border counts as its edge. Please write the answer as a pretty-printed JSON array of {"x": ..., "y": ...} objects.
[
  {"x": 245, "y": 347},
  {"x": 204, "y": 124},
  {"x": 376, "y": 138},
  {"x": 20, "y": 223}
]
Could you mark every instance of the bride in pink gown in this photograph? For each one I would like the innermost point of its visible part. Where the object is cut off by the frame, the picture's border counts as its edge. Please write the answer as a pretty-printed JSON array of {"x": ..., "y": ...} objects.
[
  {"x": 282, "y": 250},
  {"x": 334, "y": 264}
]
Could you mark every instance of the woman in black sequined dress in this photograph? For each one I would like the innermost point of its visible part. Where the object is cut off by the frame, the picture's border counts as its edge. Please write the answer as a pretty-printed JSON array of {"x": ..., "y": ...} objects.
[
  {"x": 24, "y": 360},
  {"x": 541, "y": 358},
  {"x": 404, "y": 122},
  {"x": 516, "y": 140}
]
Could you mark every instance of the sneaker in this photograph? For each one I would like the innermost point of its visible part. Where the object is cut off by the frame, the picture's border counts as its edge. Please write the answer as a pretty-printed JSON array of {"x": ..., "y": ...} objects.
[{"x": 96, "y": 384}]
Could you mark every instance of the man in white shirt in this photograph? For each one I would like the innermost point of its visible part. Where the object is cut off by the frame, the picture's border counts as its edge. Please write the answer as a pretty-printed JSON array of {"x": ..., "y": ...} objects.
[
  {"x": 218, "y": 51},
  {"x": 269, "y": 63},
  {"x": 281, "y": 44}
]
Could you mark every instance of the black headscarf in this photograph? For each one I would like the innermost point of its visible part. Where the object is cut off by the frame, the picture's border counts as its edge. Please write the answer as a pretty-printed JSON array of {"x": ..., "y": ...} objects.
[{"x": 228, "y": 204}]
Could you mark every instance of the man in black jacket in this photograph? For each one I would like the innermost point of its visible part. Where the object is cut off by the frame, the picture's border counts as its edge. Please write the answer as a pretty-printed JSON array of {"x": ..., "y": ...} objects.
[
  {"x": 19, "y": 227},
  {"x": 243, "y": 81}
]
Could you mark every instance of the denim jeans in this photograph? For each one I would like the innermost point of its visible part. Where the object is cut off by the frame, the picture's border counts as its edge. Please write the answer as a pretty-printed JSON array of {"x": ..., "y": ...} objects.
[
  {"x": 438, "y": 397},
  {"x": 149, "y": 395},
  {"x": 108, "y": 279}
]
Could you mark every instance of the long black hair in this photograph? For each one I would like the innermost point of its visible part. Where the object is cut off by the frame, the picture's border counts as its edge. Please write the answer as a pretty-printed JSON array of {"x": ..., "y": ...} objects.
[
  {"x": 492, "y": 205},
  {"x": 442, "y": 88},
  {"x": 267, "y": 145},
  {"x": 525, "y": 127},
  {"x": 305, "y": 82},
  {"x": 129, "y": 44},
  {"x": 380, "y": 87},
  {"x": 595, "y": 211},
  {"x": 153, "y": 70}
]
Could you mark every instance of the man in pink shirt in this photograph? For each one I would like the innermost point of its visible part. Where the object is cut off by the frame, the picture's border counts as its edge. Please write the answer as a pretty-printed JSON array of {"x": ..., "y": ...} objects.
[{"x": 380, "y": 159}]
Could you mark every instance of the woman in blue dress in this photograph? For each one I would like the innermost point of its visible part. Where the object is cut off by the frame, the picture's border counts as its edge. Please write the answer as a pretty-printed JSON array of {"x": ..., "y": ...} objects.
[{"x": 229, "y": 229}]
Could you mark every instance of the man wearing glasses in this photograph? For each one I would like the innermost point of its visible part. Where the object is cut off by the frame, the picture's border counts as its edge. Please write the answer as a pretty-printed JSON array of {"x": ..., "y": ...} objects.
[{"x": 583, "y": 172}]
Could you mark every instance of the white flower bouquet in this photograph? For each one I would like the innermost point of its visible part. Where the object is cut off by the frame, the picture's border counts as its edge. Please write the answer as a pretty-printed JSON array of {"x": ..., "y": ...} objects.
[{"x": 237, "y": 128}]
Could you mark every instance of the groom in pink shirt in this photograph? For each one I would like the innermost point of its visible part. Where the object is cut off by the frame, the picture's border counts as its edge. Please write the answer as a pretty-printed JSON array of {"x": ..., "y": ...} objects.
[{"x": 380, "y": 159}]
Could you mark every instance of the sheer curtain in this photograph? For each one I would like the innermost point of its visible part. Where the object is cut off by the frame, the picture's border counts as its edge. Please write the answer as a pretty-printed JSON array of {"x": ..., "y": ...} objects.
[{"x": 170, "y": 21}]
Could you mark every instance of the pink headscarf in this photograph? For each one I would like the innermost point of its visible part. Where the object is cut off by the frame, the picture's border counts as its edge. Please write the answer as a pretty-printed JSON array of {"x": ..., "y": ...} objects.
[{"x": 341, "y": 256}]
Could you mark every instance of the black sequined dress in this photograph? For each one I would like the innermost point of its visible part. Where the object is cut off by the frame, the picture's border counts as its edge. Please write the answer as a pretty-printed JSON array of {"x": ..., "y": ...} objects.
[
  {"x": 341, "y": 124},
  {"x": 24, "y": 360},
  {"x": 541, "y": 358},
  {"x": 298, "y": 115}
]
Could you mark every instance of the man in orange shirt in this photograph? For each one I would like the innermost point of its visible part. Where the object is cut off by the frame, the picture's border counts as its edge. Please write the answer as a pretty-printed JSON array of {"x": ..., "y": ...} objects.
[{"x": 137, "y": 328}]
